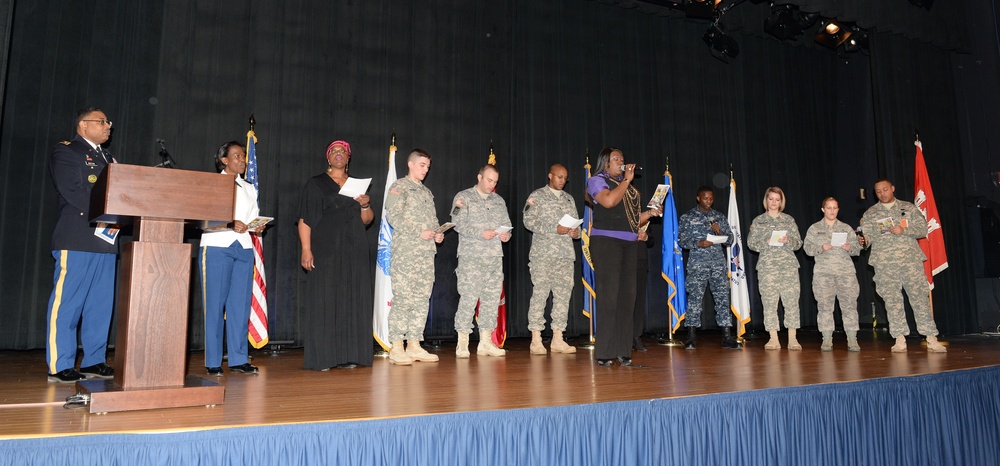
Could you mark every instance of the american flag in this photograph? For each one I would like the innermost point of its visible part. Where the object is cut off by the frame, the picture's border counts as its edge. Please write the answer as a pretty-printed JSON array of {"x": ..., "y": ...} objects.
[{"x": 257, "y": 333}]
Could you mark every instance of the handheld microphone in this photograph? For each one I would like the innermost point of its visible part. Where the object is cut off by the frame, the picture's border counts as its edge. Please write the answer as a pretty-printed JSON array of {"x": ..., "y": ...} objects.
[{"x": 637, "y": 168}]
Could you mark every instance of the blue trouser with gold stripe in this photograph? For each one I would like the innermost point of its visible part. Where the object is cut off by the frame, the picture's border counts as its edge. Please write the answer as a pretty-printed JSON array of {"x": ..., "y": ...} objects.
[
  {"x": 82, "y": 297},
  {"x": 226, "y": 279}
]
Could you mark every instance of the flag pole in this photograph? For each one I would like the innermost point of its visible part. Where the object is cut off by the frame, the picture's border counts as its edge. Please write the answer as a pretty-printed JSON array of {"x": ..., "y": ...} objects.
[
  {"x": 670, "y": 341},
  {"x": 584, "y": 244}
]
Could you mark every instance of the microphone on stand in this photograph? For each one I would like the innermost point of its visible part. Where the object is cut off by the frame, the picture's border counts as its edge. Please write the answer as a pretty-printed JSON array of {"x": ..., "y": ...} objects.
[{"x": 168, "y": 162}]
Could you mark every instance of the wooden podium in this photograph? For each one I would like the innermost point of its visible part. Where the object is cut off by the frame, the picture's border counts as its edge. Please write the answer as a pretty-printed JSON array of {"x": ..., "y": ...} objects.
[{"x": 151, "y": 346}]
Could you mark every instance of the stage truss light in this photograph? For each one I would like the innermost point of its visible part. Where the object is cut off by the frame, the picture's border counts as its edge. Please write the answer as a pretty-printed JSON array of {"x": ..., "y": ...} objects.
[
  {"x": 841, "y": 37},
  {"x": 722, "y": 46},
  {"x": 787, "y": 22}
]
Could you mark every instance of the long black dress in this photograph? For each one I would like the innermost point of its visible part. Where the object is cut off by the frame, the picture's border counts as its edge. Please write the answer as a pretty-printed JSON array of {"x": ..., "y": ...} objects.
[{"x": 338, "y": 292}]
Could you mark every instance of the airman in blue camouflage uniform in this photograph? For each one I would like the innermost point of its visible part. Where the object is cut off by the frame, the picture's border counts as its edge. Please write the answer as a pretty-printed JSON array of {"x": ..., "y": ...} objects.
[{"x": 707, "y": 265}]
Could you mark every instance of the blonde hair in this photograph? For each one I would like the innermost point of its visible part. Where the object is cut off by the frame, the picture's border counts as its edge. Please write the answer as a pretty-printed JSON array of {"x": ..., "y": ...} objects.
[
  {"x": 779, "y": 192},
  {"x": 822, "y": 205}
]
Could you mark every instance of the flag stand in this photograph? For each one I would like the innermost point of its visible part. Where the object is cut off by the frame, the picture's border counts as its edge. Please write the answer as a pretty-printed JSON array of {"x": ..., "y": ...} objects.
[{"x": 669, "y": 341}]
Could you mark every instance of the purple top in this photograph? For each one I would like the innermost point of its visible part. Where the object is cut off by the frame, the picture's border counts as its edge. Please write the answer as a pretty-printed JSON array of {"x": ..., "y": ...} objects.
[{"x": 595, "y": 185}]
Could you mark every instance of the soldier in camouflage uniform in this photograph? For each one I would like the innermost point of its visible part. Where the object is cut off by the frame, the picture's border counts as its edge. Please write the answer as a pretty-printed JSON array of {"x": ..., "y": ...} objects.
[
  {"x": 477, "y": 213},
  {"x": 892, "y": 228},
  {"x": 777, "y": 267},
  {"x": 706, "y": 266},
  {"x": 551, "y": 258},
  {"x": 834, "y": 276},
  {"x": 410, "y": 211}
]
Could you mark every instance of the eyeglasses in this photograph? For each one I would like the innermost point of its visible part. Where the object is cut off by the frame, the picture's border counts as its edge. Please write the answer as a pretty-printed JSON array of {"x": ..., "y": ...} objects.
[{"x": 103, "y": 122}]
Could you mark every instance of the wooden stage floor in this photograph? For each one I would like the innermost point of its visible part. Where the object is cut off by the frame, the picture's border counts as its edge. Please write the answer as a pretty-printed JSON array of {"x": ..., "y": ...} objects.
[{"x": 285, "y": 393}]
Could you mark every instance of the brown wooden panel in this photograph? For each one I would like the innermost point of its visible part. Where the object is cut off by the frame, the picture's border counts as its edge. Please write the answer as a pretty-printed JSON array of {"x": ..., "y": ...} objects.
[
  {"x": 107, "y": 397},
  {"x": 152, "y": 327},
  {"x": 159, "y": 231},
  {"x": 123, "y": 192}
]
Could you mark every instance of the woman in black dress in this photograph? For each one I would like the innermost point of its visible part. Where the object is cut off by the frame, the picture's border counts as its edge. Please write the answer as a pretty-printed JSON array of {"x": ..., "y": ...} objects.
[{"x": 337, "y": 260}]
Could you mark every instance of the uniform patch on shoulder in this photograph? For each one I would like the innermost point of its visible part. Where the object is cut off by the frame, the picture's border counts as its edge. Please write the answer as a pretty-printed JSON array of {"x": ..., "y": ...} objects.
[
  {"x": 455, "y": 210},
  {"x": 395, "y": 191},
  {"x": 65, "y": 143}
]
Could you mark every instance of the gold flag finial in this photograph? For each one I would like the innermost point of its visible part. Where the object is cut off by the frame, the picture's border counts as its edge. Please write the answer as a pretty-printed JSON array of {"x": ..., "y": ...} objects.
[{"x": 493, "y": 157}]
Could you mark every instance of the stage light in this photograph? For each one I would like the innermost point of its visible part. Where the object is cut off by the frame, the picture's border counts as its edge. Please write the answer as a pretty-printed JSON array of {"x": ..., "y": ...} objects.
[
  {"x": 787, "y": 22},
  {"x": 722, "y": 46},
  {"x": 841, "y": 37}
]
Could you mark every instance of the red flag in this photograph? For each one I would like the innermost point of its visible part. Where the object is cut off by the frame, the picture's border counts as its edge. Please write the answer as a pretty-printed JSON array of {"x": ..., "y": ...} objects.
[{"x": 933, "y": 244}]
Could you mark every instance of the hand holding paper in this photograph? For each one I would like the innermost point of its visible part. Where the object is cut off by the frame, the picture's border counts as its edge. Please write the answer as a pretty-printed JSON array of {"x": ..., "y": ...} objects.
[
  {"x": 569, "y": 221},
  {"x": 355, "y": 187},
  {"x": 777, "y": 236}
]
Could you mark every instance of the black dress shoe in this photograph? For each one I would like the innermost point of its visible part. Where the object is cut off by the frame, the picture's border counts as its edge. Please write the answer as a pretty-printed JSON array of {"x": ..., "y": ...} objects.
[
  {"x": 730, "y": 343},
  {"x": 604, "y": 362},
  {"x": 98, "y": 371},
  {"x": 66, "y": 376},
  {"x": 347, "y": 365},
  {"x": 243, "y": 369},
  {"x": 638, "y": 346},
  {"x": 214, "y": 371},
  {"x": 625, "y": 361}
]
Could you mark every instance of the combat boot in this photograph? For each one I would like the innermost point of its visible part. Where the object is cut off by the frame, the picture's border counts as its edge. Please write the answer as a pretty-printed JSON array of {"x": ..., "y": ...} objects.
[
  {"x": 773, "y": 343},
  {"x": 462, "y": 349},
  {"x": 827, "y": 344},
  {"x": 900, "y": 346},
  {"x": 793, "y": 344},
  {"x": 559, "y": 345},
  {"x": 417, "y": 353},
  {"x": 852, "y": 341},
  {"x": 692, "y": 336},
  {"x": 536, "y": 343},
  {"x": 728, "y": 341},
  {"x": 934, "y": 346},
  {"x": 398, "y": 356},
  {"x": 486, "y": 346}
]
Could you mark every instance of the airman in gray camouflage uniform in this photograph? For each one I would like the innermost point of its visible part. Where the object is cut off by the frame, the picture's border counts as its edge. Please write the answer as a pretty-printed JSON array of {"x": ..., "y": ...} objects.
[
  {"x": 834, "y": 276},
  {"x": 477, "y": 213},
  {"x": 706, "y": 266},
  {"x": 551, "y": 259},
  {"x": 410, "y": 211},
  {"x": 777, "y": 267},
  {"x": 892, "y": 228}
]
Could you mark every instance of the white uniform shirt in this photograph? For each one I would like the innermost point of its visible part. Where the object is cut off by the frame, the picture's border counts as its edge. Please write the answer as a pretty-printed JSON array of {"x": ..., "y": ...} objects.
[{"x": 246, "y": 211}]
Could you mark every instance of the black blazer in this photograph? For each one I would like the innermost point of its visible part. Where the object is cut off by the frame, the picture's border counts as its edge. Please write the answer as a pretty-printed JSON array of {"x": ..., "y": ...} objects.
[{"x": 74, "y": 166}]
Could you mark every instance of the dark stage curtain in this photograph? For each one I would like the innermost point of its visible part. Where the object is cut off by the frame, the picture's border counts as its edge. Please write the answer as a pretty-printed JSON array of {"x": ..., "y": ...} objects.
[{"x": 544, "y": 82}]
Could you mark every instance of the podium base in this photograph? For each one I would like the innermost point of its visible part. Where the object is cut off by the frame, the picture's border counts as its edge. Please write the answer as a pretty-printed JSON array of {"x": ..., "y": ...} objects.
[{"x": 105, "y": 396}]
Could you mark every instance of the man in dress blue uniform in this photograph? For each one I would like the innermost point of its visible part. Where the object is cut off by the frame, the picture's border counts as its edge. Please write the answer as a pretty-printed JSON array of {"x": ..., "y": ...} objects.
[{"x": 83, "y": 284}]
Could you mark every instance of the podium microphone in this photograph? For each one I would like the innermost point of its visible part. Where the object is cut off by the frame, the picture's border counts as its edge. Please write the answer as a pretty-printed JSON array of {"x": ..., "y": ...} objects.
[{"x": 168, "y": 162}]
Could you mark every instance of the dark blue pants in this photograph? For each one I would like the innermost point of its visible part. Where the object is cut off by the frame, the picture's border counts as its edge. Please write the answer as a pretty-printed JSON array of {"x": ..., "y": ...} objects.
[
  {"x": 83, "y": 295},
  {"x": 226, "y": 279}
]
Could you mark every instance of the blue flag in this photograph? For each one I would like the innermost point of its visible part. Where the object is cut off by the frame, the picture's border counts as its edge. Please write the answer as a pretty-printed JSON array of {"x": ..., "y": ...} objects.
[
  {"x": 673, "y": 260},
  {"x": 589, "y": 295}
]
